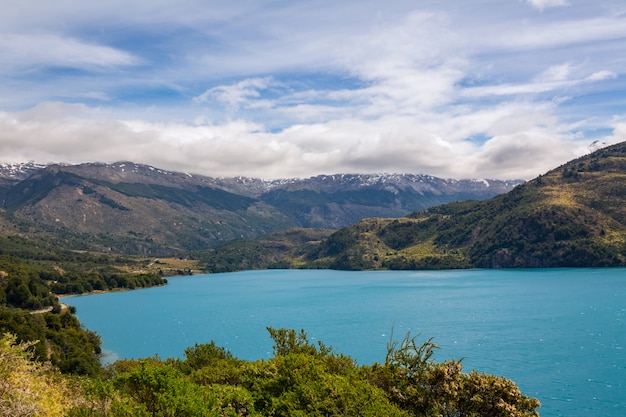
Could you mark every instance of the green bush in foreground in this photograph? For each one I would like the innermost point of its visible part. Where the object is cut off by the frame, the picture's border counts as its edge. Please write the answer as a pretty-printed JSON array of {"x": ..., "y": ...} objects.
[
  {"x": 301, "y": 379},
  {"x": 417, "y": 384}
]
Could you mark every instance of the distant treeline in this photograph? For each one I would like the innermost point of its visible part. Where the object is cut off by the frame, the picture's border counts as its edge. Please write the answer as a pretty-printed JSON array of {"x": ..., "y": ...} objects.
[
  {"x": 79, "y": 284},
  {"x": 32, "y": 287}
]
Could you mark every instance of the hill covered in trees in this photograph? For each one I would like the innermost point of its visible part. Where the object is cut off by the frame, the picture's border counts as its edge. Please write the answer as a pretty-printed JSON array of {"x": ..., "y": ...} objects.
[{"x": 573, "y": 216}]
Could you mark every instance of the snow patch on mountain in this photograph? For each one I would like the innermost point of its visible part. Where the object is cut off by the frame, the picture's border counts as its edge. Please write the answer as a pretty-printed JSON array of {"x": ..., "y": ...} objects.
[{"x": 19, "y": 171}]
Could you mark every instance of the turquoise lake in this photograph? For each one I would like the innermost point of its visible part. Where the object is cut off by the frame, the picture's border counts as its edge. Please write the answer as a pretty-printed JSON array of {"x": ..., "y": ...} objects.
[{"x": 560, "y": 334}]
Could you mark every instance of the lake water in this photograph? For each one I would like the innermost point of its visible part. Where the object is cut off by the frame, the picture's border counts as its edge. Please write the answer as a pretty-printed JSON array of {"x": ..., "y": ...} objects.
[{"x": 560, "y": 334}]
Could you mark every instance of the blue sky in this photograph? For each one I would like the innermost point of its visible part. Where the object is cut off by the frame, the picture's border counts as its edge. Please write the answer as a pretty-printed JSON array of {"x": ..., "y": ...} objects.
[{"x": 458, "y": 89}]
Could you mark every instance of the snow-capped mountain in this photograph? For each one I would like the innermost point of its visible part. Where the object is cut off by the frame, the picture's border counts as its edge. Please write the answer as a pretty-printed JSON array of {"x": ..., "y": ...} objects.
[{"x": 135, "y": 208}]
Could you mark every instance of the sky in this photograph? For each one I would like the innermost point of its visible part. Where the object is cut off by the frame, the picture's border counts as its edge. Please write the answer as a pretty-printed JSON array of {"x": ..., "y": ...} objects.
[{"x": 495, "y": 89}]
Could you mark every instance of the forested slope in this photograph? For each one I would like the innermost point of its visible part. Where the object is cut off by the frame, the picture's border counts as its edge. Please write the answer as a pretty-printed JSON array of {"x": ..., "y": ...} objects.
[{"x": 574, "y": 215}]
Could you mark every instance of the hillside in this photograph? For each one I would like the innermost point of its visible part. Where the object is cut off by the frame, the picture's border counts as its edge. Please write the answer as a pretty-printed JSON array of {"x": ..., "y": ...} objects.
[
  {"x": 574, "y": 215},
  {"x": 285, "y": 250},
  {"x": 153, "y": 214},
  {"x": 137, "y": 209}
]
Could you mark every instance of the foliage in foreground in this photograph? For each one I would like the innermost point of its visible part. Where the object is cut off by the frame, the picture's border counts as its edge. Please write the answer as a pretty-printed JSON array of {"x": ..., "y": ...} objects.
[
  {"x": 301, "y": 379},
  {"x": 28, "y": 387}
]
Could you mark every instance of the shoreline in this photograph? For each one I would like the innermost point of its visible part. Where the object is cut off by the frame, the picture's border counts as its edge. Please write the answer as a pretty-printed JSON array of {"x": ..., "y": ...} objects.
[{"x": 64, "y": 307}]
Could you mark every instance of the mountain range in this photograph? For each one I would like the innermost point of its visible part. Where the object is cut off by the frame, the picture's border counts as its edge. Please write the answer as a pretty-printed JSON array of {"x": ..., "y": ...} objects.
[
  {"x": 131, "y": 208},
  {"x": 572, "y": 216}
]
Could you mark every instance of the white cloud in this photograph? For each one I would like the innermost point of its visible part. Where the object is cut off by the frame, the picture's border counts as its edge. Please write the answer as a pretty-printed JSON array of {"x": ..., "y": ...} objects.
[
  {"x": 272, "y": 89},
  {"x": 555, "y": 78},
  {"x": 542, "y": 4},
  {"x": 559, "y": 33},
  {"x": 243, "y": 93},
  {"x": 35, "y": 50},
  {"x": 513, "y": 89},
  {"x": 601, "y": 76},
  {"x": 555, "y": 73},
  {"x": 618, "y": 134},
  {"x": 517, "y": 148}
]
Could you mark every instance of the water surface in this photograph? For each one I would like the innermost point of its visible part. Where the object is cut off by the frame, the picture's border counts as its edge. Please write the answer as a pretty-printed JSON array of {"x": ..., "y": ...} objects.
[{"x": 558, "y": 333}]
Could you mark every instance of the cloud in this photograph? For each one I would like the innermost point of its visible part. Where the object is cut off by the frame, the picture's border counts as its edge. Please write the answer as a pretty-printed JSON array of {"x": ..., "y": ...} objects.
[
  {"x": 560, "y": 33},
  {"x": 515, "y": 148},
  {"x": 618, "y": 133},
  {"x": 543, "y": 4},
  {"x": 601, "y": 76},
  {"x": 36, "y": 50},
  {"x": 454, "y": 89},
  {"x": 243, "y": 93},
  {"x": 556, "y": 73},
  {"x": 554, "y": 78}
]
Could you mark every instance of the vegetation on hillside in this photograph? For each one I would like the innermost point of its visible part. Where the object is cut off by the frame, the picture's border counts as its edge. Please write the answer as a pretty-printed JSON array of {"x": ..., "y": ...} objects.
[
  {"x": 33, "y": 275},
  {"x": 573, "y": 216},
  {"x": 126, "y": 208},
  {"x": 131, "y": 218},
  {"x": 32, "y": 272},
  {"x": 29, "y": 387},
  {"x": 300, "y": 379},
  {"x": 280, "y": 250},
  {"x": 57, "y": 337}
]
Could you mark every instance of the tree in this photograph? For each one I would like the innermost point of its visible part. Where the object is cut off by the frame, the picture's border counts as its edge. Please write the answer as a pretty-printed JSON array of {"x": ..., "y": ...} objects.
[
  {"x": 165, "y": 391},
  {"x": 201, "y": 355},
  {"x": 287, "y": 341},
  {"x": 209, "y": 364},
  {"x": 17, "y": 293},
  {"x": 416, "y": 383},
  {"x": 301, "y": 379},
  {"x": 30, "y": 388},
  {"x": 302, "y": 384}
]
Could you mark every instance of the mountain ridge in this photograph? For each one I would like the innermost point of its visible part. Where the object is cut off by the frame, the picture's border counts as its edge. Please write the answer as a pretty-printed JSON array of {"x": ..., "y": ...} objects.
[
  {"x": 125, "y": 170},
  {"x": 132, "y": 208},
  {"x": 574, "y": 215},
  {"x": 571, "y": 216}
]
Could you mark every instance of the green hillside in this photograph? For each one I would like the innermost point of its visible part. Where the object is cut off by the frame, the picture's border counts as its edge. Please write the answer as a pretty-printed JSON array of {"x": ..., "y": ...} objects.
[
  {"x": 572, "y": 216},
  {"x": 286, "y": 249},
  {"x": 109, "y": 215}
]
